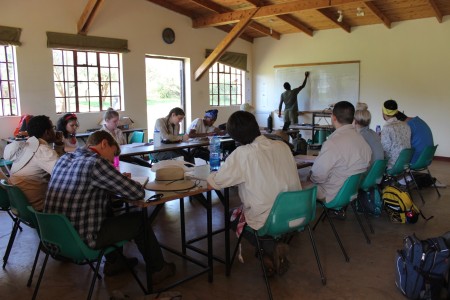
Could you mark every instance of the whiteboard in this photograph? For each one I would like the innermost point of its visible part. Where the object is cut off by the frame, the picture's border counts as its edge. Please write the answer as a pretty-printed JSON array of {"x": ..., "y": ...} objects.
[{"x": 327, "y": 84}]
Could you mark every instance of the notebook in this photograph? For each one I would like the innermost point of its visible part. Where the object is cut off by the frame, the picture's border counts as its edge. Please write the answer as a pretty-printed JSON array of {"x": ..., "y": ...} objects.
[{"x": 141, "y": 179}]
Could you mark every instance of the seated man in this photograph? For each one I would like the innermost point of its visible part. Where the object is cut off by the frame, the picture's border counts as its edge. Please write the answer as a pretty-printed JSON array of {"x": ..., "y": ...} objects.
[
  {"x": 261, "y": 168},
  {"x": 81, "y": 188},
  {"x": 33, "y": 160},
  {"x": 343, "y": 154},
  {"x": 204, "y": 128}
]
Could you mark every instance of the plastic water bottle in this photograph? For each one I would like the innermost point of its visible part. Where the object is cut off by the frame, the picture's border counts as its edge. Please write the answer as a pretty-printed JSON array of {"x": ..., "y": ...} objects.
[
  {"x": 214, "y": 153},
  {"x": 156, "y": 138},
  {"x": 378, "y": 129}
]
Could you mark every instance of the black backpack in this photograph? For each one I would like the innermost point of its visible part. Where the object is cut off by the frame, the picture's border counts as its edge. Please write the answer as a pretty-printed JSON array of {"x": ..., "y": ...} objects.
[{"x": 422, "y": 268}]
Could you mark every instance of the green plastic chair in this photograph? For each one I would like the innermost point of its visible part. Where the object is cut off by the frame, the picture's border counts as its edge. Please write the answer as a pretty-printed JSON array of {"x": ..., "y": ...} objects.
[
  {"x": 425, "y": 159},
  {"x": 401, "y": 166},
  {"x": 4, "y": 204},
  {"x": 6, "y": 164},
  {"x": 18, "y": 206},
  {"x": 137, "y": 137},
  {"x": 59, "y": 239},
  {"x": 291, "y": 212},
  {"x": 344, "y": 197},
  {"x": 371, "y": 180}
]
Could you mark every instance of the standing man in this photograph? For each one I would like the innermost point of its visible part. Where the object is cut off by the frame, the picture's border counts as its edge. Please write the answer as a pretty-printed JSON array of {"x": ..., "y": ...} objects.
[
  {"x": 81, "y": 188},
  {"x": 289, "y": 97},
  {"x": 343, "y": 154}
]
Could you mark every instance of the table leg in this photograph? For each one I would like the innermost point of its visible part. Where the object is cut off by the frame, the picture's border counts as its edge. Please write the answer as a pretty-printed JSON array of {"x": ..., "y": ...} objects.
[
  {"x": 183, "y": 227},
  {"x": 209, "y": 229},
  {"x": 148, "y": 271},
  {"x": 226, "y": 207}
]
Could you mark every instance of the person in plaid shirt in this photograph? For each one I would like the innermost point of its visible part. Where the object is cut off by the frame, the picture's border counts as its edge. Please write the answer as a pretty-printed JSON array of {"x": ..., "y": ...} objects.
[{"x": 81, "y": 187}]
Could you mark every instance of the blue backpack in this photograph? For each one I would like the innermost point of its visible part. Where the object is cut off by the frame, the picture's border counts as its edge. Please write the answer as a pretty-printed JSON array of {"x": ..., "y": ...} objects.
[{"x": 422, "y": 267}]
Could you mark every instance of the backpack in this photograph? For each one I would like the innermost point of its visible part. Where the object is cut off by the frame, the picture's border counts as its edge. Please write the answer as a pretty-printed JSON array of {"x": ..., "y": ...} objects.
[
  {"x": 400, "y": 207},
  {"x": 369, "y": 202},
  {"x": 422, "y": 267},
  {"x": 423, "y": 180}
]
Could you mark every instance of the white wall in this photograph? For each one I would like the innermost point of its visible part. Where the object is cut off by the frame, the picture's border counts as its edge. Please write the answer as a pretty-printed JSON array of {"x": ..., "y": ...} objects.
[
  {"x": 409, "y": 63},
  {"x": 138, "y": 21}
]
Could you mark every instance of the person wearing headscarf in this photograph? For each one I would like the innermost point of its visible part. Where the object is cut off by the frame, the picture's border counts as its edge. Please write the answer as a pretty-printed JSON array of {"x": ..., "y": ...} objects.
[{"x": 396, "y": 134}]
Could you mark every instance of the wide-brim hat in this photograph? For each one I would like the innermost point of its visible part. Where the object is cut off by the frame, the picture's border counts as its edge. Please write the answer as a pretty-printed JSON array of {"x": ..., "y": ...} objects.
[
  {"x": 170, "y": 179},
  {"x": 21, "y": 152}
]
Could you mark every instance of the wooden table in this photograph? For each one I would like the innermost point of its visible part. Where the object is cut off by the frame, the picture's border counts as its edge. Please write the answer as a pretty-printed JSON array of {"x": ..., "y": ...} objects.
[
  {"x": 199, "y": 174},
  {"x": 304, "y": 161},
  {"x": 83, "y": 135}
]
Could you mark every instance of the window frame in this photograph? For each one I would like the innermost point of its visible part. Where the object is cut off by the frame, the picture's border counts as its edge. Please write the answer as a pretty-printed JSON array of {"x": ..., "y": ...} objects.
[
  {"x": 10, "y": 83},
  {"x": 223, "y": 79},
  {"x": 72, "y": 63}
]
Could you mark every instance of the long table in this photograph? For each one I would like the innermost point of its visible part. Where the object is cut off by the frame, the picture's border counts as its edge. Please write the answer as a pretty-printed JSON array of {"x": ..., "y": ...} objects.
[
  {"x": 127, "y": 132},
  {"x": 199, "y": 174}
]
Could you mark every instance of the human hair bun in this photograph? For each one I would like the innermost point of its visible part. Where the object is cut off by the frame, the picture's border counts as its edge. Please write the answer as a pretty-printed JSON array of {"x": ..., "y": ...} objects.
[{"x": 361, "y": 106}]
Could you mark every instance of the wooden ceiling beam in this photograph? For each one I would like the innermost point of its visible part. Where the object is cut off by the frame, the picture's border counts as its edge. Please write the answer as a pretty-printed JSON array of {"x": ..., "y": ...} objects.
[
  {"x": 333, "y": 18},
  {"x": 267, "y": 11},
  {"x": 436, "y": 10},
  {"x": 221, "y": 9},
  {"x": 371, "y": 6},
  {"x": 297, "y": 24},
  {"x": 244, "y": 36},
  {"x": 225, "y": 43},
  {"x": 170, "y": 6},
  {"x": 87, "y": 17}
]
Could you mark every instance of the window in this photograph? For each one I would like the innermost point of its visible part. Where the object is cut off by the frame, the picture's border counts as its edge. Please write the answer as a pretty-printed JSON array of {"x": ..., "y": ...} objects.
[
  {"x": 225, "y": 85},
  {"x": 86, "y": 81},
  {"x": 8, "y": 84}
]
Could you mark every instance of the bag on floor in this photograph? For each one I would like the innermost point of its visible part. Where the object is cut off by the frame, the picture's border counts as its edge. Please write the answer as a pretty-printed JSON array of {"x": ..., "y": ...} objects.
[
  {"x": 423, "y": 180},
  {"x": 369, "y": 202},
  {"x": 422, "y": 268},
  {"x": 400, "y": 207}
]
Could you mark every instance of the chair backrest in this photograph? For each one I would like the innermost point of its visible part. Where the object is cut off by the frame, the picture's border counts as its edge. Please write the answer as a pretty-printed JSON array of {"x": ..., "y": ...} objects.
[
  {"x": 61, "y": 239},
  {"x": 402, "y": 162},
  {"x": 347, "y": 193},
  {"x": 18, "y": 203},
  {"x": 425, "y": 159},
  {"x": 137, "y": 137},
  {"x": 292, "y": 211},
  {"x": 374, "y": 175},
  {"x": 4, "y": 199}
]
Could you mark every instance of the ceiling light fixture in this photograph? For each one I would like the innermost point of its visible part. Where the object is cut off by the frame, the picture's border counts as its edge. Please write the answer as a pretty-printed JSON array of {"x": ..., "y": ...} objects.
[
  {"x": 340, "y": 17},
  {"x": 360, "y": 12}
]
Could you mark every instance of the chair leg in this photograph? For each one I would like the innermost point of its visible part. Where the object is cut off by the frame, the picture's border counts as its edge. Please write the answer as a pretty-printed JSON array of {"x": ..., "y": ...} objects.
[
  {"x": 14, "y": 219},
  {"x": 11, "y": 241},
  {"x": 41, "y": 274},
  {"x": 415, "y": 183},
  {"x": 99, "y": 260},
  {"x": 132, "y": 272},
  {"x": 99, "y": 277},
  {"x": 352, "y": 204},
  {"x": 316, "y": 253},
  {"x": 434, "y": 183},
  {"x": 260, "y": 254},
  {"x": 321, "y": 217},
  {"x": 336, "y": 235},
  {"x": 366, "y": 214},
  {"x": 236, "y": 248},
  {"x": 30, "y": 279}
]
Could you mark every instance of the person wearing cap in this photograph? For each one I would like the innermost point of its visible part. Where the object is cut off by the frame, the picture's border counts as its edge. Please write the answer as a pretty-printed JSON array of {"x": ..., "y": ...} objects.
[
  {"x": 204, "y": 127},
  {"x": 34, "y": 159},
  {"x": 396, "y": 134},
  {"x": 261, "y": 168},
  {"x": 289, "y": 98},
  {"x": 68, "y": 125},
  {"x": 82, "y": 185}
]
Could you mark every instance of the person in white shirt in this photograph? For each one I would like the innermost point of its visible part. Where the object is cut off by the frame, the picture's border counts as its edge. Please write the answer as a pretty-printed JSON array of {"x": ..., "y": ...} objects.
[
  {"x": 261, "y": 169},
  {"x": 34, "y": 159},
  {"x": 111, "y": 121}
]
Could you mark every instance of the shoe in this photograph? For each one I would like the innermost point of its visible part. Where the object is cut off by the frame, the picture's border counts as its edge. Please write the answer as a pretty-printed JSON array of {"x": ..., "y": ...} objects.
[
  {"x": 269, "y": 266},
  {"x": 167, "y": 270},
  {"x": 440, "y": 184},
  {"x": 337, "y": 213},
  {"x": 280, "y": 259},
  {"x": 111, "y": 269}
]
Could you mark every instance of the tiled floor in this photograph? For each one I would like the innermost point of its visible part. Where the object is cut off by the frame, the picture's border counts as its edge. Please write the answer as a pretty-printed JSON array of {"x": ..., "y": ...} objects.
[{"x": 368, "y": 275}]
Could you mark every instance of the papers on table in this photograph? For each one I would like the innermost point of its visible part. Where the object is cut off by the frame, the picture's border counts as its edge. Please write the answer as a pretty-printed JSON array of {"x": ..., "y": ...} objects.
[{"x": 141, "y": 179}]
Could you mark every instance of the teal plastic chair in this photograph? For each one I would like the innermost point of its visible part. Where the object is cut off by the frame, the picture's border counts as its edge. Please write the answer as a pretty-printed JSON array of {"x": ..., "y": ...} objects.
[
  {"x": 137, "y": 137},
  {"x": 401, "y": 166},
  {"x": 5, "y": 206},
  {"x": 6, "y": 164},
  {"x": 59, "y": 239},
  {"x": 371, "y": 180},
  {"x": 344, "y": 197},
  {"x": 425, "y": 159},
  {"x": 18, "y": 206},
  {"x": 291, "y": 212}
]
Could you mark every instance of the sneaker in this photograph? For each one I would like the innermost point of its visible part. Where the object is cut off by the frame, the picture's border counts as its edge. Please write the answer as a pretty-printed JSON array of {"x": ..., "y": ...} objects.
[
  {"x": 167, "y": 270},
  {"x": 337, "y": 213},
  {"x": 440, "y": 184},
  {"x": 111, "y": 269},
  {"x": 280, "y": 259}
]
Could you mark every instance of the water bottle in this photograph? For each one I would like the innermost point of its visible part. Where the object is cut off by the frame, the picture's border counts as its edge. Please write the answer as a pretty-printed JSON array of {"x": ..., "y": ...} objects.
[
  {"x": 378, "y": 129},
  {"x": 214, "y": 153},
  {"x": 156, "y": 138}
]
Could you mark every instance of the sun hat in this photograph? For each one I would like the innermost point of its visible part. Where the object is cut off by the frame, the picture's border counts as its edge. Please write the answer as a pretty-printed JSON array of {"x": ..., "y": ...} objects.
[
  {"x": 170, "y": 179},
  {"x": 21, "y": 152}
]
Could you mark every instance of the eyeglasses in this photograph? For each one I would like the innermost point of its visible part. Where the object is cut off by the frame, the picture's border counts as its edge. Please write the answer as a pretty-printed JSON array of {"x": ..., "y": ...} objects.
[{"x": 155, "y": 197}]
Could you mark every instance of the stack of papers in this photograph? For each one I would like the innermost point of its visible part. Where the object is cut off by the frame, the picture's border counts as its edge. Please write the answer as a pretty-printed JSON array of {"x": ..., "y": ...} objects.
[{"x": 141, "y": 179}]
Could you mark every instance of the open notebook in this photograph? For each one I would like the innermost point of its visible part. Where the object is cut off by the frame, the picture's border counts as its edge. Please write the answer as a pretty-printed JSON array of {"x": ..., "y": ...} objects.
[{"x": 141, "y": 179}]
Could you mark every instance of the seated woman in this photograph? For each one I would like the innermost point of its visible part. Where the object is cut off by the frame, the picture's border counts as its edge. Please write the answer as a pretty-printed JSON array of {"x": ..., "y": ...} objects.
[
  {"x": 169, "y": 128},
  {"x": 111, "y": 121},
  {"x": 68, "y": 125},
  {"x": 362, "y": 121}
]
